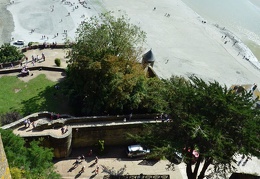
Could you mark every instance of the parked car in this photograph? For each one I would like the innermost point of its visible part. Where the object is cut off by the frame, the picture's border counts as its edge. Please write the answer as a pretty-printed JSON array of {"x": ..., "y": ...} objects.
[
  {"x": 137, "y": 150},
  {"x": 175, "y": 157},
  {"x": 19, "y": 42}
]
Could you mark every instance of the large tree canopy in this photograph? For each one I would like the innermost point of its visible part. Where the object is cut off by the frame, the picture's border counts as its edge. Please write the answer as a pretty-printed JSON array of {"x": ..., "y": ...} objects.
[
  {"x": 208, "y": 118},
  {"x": 103, "y": 72},
  {"x": 9, "y": 53}
]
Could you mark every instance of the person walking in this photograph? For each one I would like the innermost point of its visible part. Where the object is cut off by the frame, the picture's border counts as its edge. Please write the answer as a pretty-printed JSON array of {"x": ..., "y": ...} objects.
[
  {"x": 96, "y": 160},
  {"x": 25, "y": 122},
  {"x": 97, "y": 170},
  {"x": 28, "y": 122}
]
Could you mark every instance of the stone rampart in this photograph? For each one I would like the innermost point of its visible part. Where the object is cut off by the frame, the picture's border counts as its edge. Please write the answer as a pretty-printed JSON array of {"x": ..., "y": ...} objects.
[
  {"x": 82, "y": 131},
  {"x": 4, "y": 168}
]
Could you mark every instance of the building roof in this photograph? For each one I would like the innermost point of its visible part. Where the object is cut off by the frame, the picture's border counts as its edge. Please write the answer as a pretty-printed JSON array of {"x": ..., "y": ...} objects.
[{"x": 148, "y": 56}]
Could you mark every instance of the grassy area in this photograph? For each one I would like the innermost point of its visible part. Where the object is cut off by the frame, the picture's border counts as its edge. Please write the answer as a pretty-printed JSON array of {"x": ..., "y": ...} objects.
[{"x": 36, "y": 95}]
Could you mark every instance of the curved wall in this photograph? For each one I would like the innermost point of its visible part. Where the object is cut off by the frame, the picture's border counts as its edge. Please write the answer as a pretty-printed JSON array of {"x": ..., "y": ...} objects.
[{"x": 82, "y": 131}]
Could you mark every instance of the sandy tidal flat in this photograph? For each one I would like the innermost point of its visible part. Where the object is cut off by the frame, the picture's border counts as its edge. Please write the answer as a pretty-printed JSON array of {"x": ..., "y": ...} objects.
[
  {"x": 6, "y": 22},
  {"x": 181, "y": 43}
]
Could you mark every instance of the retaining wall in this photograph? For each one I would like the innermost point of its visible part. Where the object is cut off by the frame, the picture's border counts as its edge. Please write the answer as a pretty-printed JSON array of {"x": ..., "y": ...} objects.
[
  {"x": 83, "y": 131},
  {"x": 4, "y": 168}
]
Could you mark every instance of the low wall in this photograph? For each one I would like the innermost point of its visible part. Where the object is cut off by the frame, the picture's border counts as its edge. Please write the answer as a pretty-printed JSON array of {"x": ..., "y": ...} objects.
[
  {"x": 43, "y": 46},
  {"x": 112, "y": 135},
  {"x": 18, "y": 70},
  {"x": 8, "y": 65},
  {"x": 84, "y": 131}
]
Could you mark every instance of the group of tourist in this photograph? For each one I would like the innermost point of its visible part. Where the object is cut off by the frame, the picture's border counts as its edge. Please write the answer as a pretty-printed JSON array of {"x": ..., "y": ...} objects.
[
  {"x": 37, "y": 58},
  {"x": 27, "y": 123},
  {"x": 80, "y": 159}
]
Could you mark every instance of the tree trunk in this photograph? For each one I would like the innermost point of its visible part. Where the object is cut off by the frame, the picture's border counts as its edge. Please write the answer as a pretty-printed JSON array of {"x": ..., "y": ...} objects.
[
  {"x": 195, "y": 172},
  {"x": 189, "y": 171},
  {"x": 208, "y": 161}
]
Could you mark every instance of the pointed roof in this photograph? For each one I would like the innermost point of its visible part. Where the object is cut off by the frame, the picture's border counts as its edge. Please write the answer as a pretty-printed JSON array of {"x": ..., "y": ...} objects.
[{"x": 148, "y": 56}]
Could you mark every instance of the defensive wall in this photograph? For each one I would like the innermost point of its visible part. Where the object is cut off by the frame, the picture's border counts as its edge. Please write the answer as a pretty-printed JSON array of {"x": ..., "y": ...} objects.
[
  {"x": 4, "y": 168},
  {"x": 81, "y": 131}
]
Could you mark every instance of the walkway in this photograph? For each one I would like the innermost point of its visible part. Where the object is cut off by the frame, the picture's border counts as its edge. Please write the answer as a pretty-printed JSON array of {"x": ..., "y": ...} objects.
[
  {"x": 115, "y": 162},
  {"x": 51, "y": 55},
  {"x": 30, "y": 131}
]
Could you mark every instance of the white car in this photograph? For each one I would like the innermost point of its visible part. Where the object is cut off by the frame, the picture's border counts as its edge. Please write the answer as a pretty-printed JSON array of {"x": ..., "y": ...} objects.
[
  {"x": 137, "y": 150},
  {"x": 19, "y": 42}
]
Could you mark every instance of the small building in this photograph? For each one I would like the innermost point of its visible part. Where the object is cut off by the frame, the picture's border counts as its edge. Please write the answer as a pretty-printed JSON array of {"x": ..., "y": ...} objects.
[{"x": 148, "y": 59}]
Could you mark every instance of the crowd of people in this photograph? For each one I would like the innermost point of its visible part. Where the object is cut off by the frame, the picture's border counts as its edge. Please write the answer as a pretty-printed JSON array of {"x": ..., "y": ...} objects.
[{"x": 81, "y": 159}]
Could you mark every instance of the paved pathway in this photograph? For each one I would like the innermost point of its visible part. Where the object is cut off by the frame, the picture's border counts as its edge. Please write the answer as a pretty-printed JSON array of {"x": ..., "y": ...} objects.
[{"x": 115, "y": 162}]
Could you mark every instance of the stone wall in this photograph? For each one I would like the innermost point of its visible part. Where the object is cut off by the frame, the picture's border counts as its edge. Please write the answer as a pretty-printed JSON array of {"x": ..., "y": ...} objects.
[
  {"x": 87, "y": 137},
  {"x": 112, "y": 135},
  {"x": 61, "y": 145},
  {"x": 4, "y": 168},
  {"x": 83, "y": 131}
]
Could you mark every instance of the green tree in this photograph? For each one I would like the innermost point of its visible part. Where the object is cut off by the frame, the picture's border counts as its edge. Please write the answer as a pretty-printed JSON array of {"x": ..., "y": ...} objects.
[
  {"x": 208, "y": 118},
  {"x": 103, "y": 72},
  {"x": 32, "y": 162},
  {"x": 9, "y": 117},
  {"x": 9, "y": 53}
]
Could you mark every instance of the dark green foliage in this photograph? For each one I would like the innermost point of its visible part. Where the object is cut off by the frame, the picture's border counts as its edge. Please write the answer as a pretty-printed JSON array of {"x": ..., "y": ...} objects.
[
  {"x": 209, "y": 118},
  {"x": 101, "y": 147},
  {"x": 34, "y": 161},
  {"x": 9, "y": 53},
  {"x": 57, "y": 62},
  {"x": 30, "y": 44},
  {"x": 9, "y": 117}
]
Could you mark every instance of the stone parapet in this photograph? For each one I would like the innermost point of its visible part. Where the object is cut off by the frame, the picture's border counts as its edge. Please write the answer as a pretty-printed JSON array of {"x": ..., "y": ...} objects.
[
  {"x": 4, "y": 168},
  {"x": 81, "y": 131}
]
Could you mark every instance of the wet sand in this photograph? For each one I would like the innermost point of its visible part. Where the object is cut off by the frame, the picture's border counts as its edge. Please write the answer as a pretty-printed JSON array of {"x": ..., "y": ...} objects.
[{"x": 6, "y": 22}]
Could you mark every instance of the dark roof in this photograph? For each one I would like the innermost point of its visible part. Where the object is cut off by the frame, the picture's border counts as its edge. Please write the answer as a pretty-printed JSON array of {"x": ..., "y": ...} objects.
[{"x": 148, "y": 56}]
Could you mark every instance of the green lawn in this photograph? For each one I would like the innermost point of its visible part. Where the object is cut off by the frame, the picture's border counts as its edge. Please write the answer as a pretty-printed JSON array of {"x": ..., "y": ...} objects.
[{"x": 36, "y": 95}]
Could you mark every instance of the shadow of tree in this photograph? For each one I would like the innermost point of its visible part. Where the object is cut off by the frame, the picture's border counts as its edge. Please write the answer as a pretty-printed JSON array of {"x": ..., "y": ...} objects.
[
  {"x": 50, "y": 99},
  {"x": 148, "y": 162},
  {"x": 112, "y": 171}
]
